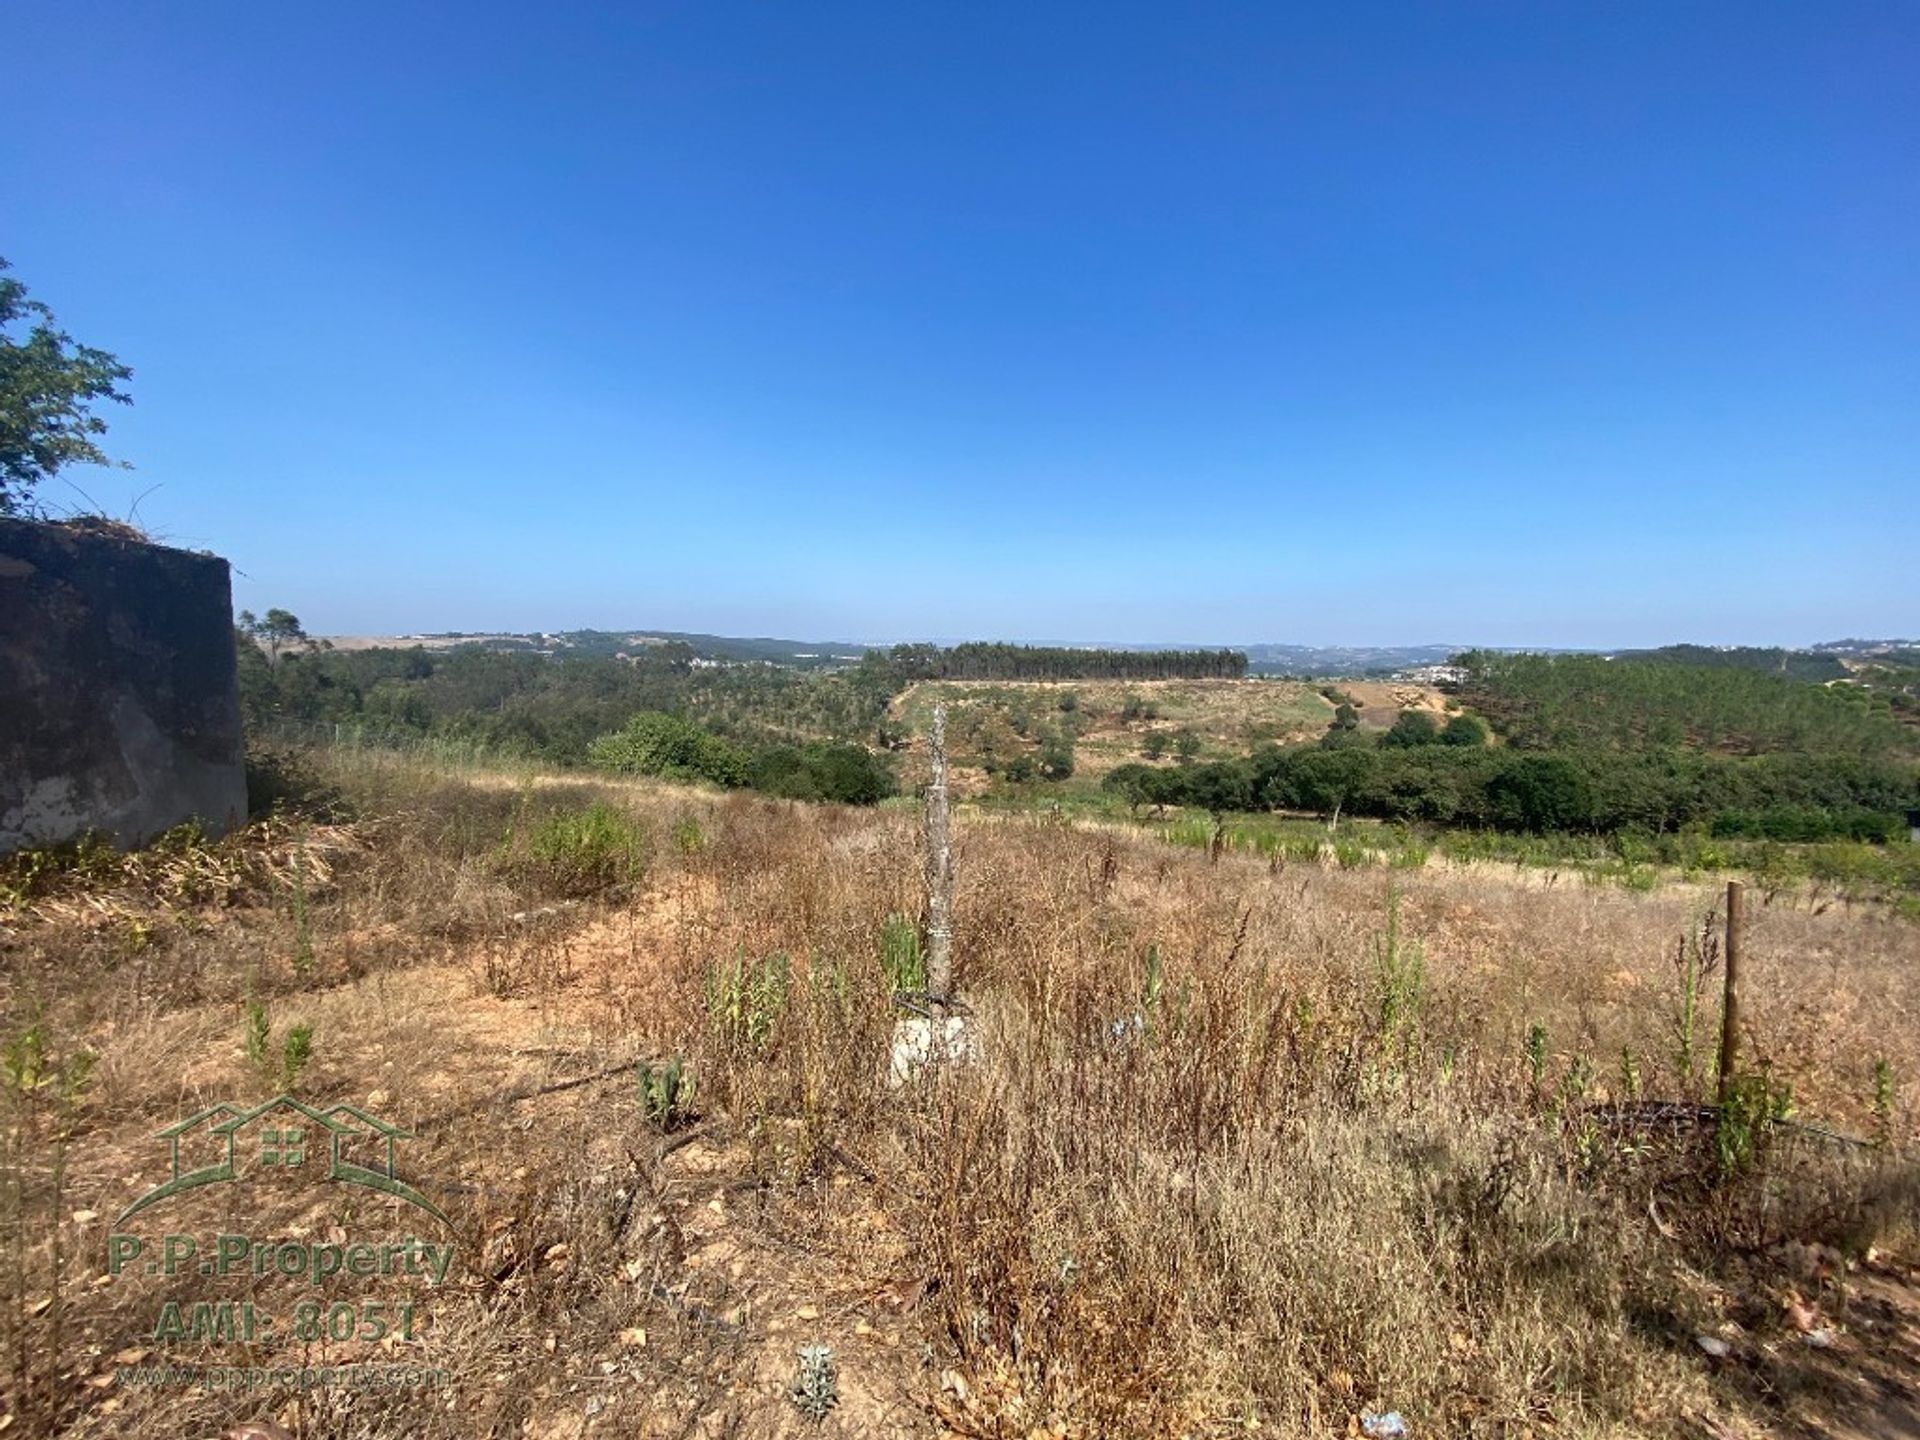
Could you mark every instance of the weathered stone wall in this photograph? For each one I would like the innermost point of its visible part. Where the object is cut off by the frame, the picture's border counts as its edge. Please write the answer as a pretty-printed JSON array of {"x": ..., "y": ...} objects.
[{"x": 119, "y": 698}]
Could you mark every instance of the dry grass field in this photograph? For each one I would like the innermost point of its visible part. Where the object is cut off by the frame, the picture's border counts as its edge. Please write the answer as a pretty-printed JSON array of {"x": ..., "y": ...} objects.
[
  {"x": 1112, "y": 719},
  {"x": 1249, "y": 1147}
]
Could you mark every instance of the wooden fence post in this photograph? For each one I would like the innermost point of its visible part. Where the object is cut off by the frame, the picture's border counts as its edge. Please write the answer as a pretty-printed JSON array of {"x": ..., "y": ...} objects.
[
  {"x": 1730, "y": 1005},
  {"x": 939, "y": 871}
]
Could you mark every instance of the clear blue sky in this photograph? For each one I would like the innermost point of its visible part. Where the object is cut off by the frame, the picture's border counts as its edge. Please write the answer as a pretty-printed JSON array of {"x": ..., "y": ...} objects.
[{"x": 1536, "y": 323}]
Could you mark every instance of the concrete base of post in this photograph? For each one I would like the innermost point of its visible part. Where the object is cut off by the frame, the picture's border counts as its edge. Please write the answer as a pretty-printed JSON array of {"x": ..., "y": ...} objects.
[{"x": 919, "y": 1043}]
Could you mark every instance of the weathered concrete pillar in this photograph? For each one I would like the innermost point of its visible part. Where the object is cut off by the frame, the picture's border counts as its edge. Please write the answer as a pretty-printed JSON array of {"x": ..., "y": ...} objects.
[{"x": 119, "y": 695}]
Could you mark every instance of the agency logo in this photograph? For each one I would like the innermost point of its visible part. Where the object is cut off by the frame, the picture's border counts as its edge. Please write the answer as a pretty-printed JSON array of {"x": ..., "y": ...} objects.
[{"x": 280, "y": 1135}]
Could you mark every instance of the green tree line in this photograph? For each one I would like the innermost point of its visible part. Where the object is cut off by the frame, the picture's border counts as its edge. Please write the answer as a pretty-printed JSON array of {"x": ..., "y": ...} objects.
[
  {"x": 1780, "y": 797},
  {"x": 787, "y": 732},
  {"x": 545, "y": 707},
  {"x": 1589, "y": 702},
  {"x": 1808, "y": 665}
]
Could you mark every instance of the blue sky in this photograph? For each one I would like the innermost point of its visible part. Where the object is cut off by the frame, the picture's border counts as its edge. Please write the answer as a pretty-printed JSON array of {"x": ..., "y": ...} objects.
[{"x": 1341, "y": 323}]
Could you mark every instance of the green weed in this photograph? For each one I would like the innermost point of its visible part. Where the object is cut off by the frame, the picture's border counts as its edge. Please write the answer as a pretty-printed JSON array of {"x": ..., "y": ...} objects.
[
  {"x": 901, "y": 957},
  {"x": 745, "y": 999},
  {"x": 1883, "y": 1103},
  {"x": 666, "y": 1093},
  {"x": 1536, "y": 1051},
  {"x": 278, "y": 1068},
  {"x": 579, "y": 853},
  {"x": 1754, "y": 1104}
]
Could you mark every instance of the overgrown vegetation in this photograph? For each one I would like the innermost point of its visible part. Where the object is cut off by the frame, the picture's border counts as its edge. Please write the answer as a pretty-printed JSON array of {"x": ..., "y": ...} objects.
[
  {"x": 1811, "y": 665},
  {"x": 1588, "y": 702},
  {"x": 1594, "y": 746},
  {"x": 671, "y": 748},
  {"x": 1246, "y": 1145},
  {"x": 1777, "y": 797},
  {"x": 571, "y": 854},
  {"x": 554, "y": 708}
]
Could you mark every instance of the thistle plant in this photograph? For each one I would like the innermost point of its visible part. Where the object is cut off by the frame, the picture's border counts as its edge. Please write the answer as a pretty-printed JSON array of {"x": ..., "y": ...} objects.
[
  {"x": 259, "y": 1031},
  {"x": 666, "y": 1092},
  {"x": 1883, "y": 1103},
  {"x": 1630, "y": 1078},
  {"x": 816, "y": 1385},
  {"x": 1537, "y": 1056}
]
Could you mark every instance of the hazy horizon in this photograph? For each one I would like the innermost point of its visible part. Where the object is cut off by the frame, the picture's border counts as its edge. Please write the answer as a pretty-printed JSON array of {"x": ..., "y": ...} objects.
[{"x": 1082, "y": 642}]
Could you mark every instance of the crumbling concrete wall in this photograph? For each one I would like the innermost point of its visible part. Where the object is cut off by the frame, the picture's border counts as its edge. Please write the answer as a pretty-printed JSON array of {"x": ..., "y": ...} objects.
[{"x": 119, "y": 696}]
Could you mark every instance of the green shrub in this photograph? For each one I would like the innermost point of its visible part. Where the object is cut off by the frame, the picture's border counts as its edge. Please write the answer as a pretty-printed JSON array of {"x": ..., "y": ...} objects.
[
  {"x": 1056, "y": 756},
  {"x": 295, "y": 1051},
  {"x": 26, "y": 875},
  {"x": 1412, "y": 728},
  {"x": 283, "y": 780},
  {"x": 842, "y": 774},
  {"x": 1754, "y": 1105},
  {"x": 1410, "y": 855},
  {"x": 1304, "y": 848},
  {"x": 577, "y": 853},
  {"x": 672, "y": 748}
]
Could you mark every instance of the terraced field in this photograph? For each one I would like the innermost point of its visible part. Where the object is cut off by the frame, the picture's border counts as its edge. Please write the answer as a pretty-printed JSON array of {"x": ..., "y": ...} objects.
[{"x": 1111, "y": 723}]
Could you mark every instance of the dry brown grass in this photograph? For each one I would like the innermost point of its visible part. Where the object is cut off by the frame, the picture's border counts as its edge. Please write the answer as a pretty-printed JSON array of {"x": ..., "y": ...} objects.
[
  {"x": 1268, "y": 1207},
  {"x": 1227, "y": 717}
]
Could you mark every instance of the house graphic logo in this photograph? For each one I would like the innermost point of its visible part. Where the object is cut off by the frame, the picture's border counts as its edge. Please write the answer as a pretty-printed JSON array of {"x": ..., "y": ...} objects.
[{"x": 284, "y": 1134}]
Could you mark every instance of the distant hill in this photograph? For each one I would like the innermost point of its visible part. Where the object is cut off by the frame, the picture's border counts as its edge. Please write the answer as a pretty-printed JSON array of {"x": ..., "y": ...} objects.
[
  {"x": 803, "y": 654},
  {"x": 1320, "y": 661},
  {"x": 1891, "y": 652},
  {"x": 1820, "y": 664}
]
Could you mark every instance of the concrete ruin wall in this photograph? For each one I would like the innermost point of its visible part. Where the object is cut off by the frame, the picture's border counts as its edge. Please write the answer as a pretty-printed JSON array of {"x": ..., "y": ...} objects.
[{"x": 119, "y": 696}]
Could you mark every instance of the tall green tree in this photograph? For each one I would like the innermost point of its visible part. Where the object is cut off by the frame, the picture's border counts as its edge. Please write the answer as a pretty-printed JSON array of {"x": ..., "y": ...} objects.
[
  {"x": 275, "y": 633},
  {"x": 49, "y": 385},
  {"x": 1411, "y": 728}
]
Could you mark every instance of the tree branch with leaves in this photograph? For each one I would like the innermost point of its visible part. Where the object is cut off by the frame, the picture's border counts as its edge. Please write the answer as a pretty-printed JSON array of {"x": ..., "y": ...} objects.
[{"x": 49, "y": 385}]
